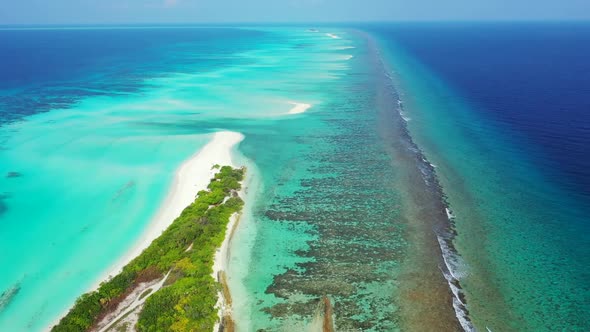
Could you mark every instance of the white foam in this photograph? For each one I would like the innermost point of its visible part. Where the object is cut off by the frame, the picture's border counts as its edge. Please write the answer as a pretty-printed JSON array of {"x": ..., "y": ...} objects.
[
  {"x": 333, "y": 36},
  {"x": 450, "y": 214},
  {"x": 455, "y": 271}
]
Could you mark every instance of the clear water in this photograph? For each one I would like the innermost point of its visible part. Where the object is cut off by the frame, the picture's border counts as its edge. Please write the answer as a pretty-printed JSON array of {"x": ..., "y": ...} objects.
[
  {"x": 88, "y": 151},
  {"x": 91, "y": 135},
  {"x": 331, "y": 216},
  {"x": 504, "y": 119},
  {"x": 343, "y": 200}
]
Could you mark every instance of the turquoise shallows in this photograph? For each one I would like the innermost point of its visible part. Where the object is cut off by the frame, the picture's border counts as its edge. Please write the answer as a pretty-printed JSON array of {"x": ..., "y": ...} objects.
[{"x": 83, "y": 177}]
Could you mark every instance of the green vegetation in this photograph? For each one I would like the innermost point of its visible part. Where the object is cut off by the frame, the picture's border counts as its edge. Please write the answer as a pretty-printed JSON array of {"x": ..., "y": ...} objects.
[{"x": 187, "y": 302}]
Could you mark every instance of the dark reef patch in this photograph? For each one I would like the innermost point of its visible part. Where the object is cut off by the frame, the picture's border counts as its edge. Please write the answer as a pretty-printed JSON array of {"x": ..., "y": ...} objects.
[
  {"x": 123, "y": 190},
  {"x": 3, "y": 204},
  {"x": 430, "y": 302},
  {"x": 57, "y": 95},
  {"x": 348, "y": 196},
  {"x": 11, "y": 175},
  {"x": 373, "y": 204},
  {"x": 8, "y": 296}
]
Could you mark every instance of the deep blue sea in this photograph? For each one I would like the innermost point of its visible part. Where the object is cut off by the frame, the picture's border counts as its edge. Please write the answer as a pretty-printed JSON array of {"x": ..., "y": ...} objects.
[
  {"x": 502, "y": 111},
  {"x": 529, "y": 78}
]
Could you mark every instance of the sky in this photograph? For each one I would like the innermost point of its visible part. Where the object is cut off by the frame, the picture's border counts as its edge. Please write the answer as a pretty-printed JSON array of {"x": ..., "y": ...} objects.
[{"x": 225, "y": 11}]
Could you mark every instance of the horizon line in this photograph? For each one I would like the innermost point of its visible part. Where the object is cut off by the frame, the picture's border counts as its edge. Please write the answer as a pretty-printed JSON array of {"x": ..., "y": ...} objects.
[{"x": 284, "y": 23}]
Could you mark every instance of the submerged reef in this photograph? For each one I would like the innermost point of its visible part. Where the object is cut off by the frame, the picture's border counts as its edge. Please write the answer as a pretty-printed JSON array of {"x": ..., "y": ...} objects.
[
  {"x": 7, "y": 295},
  {"x": 3, "y": 205}
]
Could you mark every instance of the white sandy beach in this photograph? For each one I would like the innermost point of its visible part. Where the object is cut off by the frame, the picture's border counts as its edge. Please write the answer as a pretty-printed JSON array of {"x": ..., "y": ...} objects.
[
  {"x": 191, "y": 177},
  {"x": 221, "y": 254},
  {"x": 220, "y": 264},
  {"x": 240, "y": 248},
  {"x": 299, "y": 108}
]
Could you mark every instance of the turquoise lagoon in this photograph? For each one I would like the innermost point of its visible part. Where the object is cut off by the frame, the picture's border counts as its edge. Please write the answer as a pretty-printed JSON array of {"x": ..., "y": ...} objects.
[{"x": 88, "y": 151}]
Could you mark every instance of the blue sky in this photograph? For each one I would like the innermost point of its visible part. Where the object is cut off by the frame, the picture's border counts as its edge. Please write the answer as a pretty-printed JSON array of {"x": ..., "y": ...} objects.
[{"x": 196, "y": 11}]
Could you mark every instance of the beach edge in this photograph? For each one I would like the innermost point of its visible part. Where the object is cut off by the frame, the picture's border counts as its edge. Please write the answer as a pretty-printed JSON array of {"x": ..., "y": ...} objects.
[{"x": 181, "y": 193}]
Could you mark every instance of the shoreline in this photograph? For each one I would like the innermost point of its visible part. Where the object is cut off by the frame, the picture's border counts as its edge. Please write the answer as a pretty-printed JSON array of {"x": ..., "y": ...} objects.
[
  {"x": 222, "y": 257},
  {"x": 240, "y": 248},
  {"x": 220, "y": 265},
  {"x": 192, "y": 176}
]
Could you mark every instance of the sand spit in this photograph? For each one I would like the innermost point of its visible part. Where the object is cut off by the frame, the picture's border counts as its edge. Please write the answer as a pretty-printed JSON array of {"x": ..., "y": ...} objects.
[
  {"x": 299, "y": 108},
  {"x": 191, "y": 177}
]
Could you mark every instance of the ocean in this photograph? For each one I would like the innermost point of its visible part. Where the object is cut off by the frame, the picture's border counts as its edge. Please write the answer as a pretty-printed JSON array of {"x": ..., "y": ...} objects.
[
  {"x": 439, "y": 180},
  {"x": 500, "y": 110},
  {"x": 88, "y": 150}
]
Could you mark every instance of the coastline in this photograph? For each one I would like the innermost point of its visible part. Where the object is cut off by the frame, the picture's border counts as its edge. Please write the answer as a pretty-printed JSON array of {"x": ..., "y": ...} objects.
[
  {"x": 223, "y": 255},
  {"x": 242, "y": 237},
  {"x": 192, "y": 176},
  {"x": 220, "y": 264}
]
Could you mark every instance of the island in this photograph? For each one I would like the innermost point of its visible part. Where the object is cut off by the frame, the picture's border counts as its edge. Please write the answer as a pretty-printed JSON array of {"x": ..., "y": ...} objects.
[{"x": 171, "y": 285}]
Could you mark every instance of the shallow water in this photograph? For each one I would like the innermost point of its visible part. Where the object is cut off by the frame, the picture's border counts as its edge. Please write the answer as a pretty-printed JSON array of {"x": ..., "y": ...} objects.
[
  {"x": 347, "y": 200},
  {"x": 330, "y": 217},
  {"x": 89, "y": 151}
]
